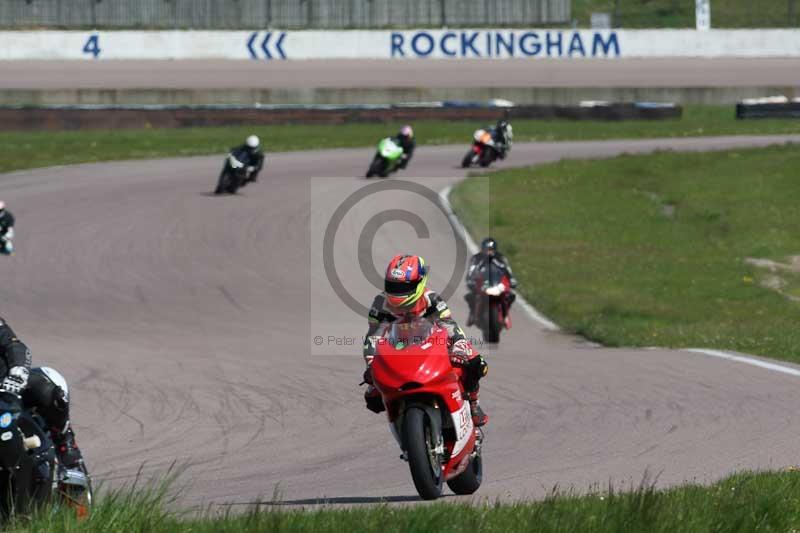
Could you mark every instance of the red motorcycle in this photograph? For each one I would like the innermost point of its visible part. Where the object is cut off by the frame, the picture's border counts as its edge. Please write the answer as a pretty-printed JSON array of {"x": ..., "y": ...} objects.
[
  {"x": 485, "y": 150},
  {"x": 425, "y": 404},
  {"x": 491, "y": 297}
]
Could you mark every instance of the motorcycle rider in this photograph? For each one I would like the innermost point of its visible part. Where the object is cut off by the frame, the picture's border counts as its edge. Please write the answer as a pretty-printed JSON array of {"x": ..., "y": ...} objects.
[
  {"x": 501, "y": 133},
  {"x": 6, "y": 230},
  {"x": 406, "y": 295},
  {"x": 405, "y": 140},
  {"x": 43, "y": 389},
  {"x": 488, "y": 252},
  {"x": 251, "y": 149}
]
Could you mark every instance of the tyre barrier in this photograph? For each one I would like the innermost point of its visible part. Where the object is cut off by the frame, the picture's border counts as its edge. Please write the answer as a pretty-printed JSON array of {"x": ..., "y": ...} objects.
[{"x": 769, "y": 107}]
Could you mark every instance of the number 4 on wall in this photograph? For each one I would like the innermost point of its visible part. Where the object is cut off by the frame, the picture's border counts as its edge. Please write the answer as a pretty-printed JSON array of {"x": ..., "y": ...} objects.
[{"x": 92, "y": 45}]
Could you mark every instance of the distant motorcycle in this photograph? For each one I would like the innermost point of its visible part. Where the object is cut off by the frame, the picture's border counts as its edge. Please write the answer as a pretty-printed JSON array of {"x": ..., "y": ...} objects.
[
  {"x": 491, "y": 299},
  {"x": 485, "y": 149},
  {"x": 387, "y": 159},
  {"x": 30, "y": 474},
  {"x": 235, "y": 173}
]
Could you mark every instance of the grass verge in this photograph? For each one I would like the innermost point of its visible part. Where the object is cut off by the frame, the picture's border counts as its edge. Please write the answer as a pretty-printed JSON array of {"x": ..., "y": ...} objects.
[
  {"x": 743, "y": 502},
  {"x": 681, "y": 14},
  {"x": 653, "y": 250},
  {"x": 21, "y": 150}
]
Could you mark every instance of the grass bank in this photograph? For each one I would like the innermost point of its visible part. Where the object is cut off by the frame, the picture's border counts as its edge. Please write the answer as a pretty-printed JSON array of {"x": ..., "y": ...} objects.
[
  {"x": 744, "y": 502},
  {"x": 679, "y": 250},
  {"x": 681, "y": 14},
  {"x": 20, "y": 150}
]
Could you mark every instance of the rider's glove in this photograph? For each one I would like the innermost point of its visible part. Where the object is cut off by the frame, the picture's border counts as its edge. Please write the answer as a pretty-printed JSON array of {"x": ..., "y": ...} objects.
[
  {"x": 370, "y": 348},
  {"x": 16, "y": 380},
  {"x": 497, "y": 290},
  {"x": 460, "y": 352}
]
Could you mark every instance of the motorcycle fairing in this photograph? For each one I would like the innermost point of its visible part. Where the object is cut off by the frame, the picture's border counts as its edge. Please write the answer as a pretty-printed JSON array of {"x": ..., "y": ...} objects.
[{"x": 462, "y": 422}]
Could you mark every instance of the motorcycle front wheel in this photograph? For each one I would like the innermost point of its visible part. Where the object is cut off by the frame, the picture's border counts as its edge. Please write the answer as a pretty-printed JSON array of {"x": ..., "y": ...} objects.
[
  {"x": 493, "y": 323},
  {"x": 377, "y": 167},
  {"x": 227, "y": 183},
  {"x": 468, "y": 159},
  {"x": 468, "y": 481},
  {"x": 423, "y": 460}
]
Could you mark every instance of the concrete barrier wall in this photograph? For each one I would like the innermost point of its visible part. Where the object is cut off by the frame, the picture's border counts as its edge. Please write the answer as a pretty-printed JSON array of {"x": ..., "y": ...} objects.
[
  {"x": 412, "y": 44},
  {"x": 520, "y": 96}
]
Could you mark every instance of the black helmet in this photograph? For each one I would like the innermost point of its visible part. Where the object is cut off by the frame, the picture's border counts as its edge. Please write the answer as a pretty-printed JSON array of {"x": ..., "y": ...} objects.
[
  {"x": 502, "y": 124},
  {"x": 489, "y": 245}
]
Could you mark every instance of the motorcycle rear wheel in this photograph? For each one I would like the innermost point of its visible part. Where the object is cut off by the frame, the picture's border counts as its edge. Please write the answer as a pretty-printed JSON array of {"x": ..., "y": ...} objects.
[
  {"x": 423, "y": 461},
  {"x": 487, "y": 157}
]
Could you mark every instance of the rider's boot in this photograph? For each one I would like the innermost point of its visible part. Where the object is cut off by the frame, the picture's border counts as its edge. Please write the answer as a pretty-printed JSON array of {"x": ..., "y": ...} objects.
[
  {"x": 479, "y": 418},
  {"x": 373, "y": 399},
  {"x": 68, "y": 452},
  {"x": 510, "y": 300},
  {"x": 471, "y": 317},
  {"x": 76, "y": 486}
]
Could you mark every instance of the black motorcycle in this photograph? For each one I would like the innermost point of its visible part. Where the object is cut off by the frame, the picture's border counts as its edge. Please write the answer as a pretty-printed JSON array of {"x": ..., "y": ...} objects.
[
  {"x": 236, "y": 173},
  {"x": 30, "y": 474}
]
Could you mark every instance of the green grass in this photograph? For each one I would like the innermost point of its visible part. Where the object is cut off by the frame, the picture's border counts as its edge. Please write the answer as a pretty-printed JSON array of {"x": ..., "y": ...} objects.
[
  {"x": 681, "y": 13},
  {"x": 19, "y": 150},
  {"x": 650, "y": 250},
  {"x": 742, "y": 503}
]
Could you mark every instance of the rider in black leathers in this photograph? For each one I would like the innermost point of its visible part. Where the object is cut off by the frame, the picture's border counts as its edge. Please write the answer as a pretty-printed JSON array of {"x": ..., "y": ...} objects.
[
  {"x": 251, "y": 155},
  {"x": 501, "y": 134},
  {"x": 488, "y": 252},
  {"x": 42, "y": 389}
]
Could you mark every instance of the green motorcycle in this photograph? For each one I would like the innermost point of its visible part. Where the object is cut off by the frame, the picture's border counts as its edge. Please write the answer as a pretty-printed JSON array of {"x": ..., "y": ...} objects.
[{"x": 387, "y": 159}]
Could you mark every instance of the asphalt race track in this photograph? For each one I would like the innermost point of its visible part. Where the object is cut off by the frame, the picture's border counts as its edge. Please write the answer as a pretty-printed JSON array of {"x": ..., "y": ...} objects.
[
  {"x": 185, "y": 323},
  {"x": 366, "y": 74}
]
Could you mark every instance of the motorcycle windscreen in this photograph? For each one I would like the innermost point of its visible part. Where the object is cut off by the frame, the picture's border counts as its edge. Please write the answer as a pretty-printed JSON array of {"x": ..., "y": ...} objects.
[
  {"x": 414, "y": 351},
  {"x": 389, "y": 149}
]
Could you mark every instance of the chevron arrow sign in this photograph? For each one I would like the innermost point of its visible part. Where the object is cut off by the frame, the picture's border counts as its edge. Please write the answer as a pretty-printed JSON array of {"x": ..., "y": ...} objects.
[{"x": 266, "y": 45}]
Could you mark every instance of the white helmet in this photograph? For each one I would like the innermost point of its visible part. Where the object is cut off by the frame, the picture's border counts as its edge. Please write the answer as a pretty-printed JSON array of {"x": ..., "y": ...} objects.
[
  {"x": 2, "y": 205},
  {"x": 253, "y": 142}
]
